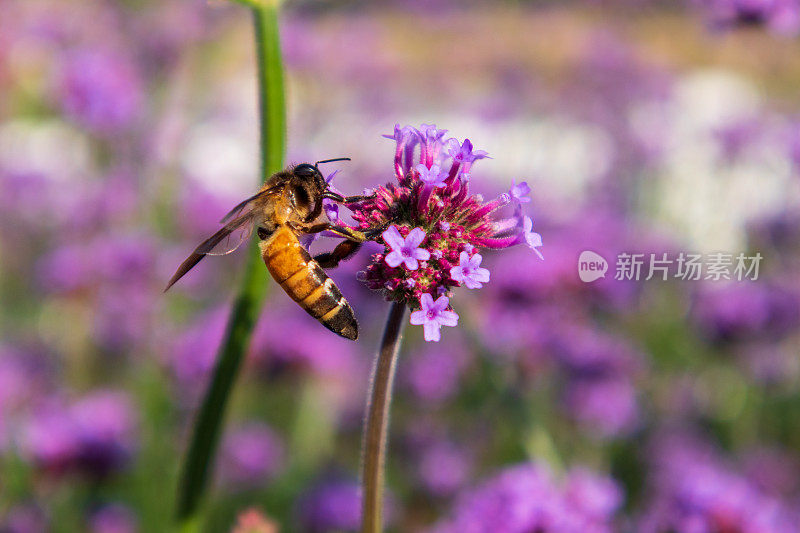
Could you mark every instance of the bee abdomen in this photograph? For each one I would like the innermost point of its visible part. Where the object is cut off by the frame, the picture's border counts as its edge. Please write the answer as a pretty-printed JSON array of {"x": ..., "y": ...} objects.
[{"x": 306, "y": 283}]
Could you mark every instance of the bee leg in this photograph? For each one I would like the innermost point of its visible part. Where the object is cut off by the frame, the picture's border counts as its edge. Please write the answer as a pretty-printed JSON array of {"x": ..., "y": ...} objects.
[
  {"x": 342, "y": 231},
  {"x": 349, "y": 233},
  {"x": 343, "y": 251},
  {"x": 358, "y": 198},
  {"x": 336, "y": 197}
]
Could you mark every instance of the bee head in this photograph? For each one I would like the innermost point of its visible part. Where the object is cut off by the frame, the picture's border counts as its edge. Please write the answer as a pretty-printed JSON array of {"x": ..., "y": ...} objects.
[
  {"x": 307, "y": 171},
  {"x": 308, "y": 186}
]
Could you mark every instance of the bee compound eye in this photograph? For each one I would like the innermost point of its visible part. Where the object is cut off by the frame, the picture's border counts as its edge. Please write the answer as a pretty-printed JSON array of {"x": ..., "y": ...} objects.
[{"x": 305, "y": 170}]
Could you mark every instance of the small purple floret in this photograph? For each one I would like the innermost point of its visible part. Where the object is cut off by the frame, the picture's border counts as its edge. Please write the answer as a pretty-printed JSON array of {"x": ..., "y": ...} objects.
[
  {"x": 433, "y": 177},
  {"x": 405, "y": 251},
  {"x": 532, "y": 239},
  {"x": 433, "y": 316},
  {"x": 469, "y": 272},
  {"x": 519, "y": 193}
]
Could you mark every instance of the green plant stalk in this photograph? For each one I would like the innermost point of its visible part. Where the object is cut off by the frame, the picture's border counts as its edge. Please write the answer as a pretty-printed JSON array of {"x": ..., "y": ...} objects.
[
  {"x": 376, "y": 426},
  {"x": 247, "y": 306}
]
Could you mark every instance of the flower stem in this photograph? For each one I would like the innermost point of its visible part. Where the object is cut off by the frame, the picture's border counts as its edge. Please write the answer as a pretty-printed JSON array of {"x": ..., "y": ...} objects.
[
  {"x": 272, "y": 122},
  {"x": 377, "y": 421}
]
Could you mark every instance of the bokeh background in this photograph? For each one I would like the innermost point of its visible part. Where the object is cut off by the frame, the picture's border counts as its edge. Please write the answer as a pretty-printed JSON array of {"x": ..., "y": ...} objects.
[{"x": 128, "y": 128}]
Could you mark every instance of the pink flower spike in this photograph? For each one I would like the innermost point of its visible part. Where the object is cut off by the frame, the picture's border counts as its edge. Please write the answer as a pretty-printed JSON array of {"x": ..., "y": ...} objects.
[
  {"x": 532, "y": 239},
  {"x": 469, "y": 272},
  {"x": 433, "y": 316},
  {"x": 405, "y": 251}
]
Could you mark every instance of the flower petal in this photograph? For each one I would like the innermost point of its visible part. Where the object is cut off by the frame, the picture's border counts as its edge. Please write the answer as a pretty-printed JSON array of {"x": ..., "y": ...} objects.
[
  {"x": 411, "y": 263},
  {"x": 426, "y": 301},
  {"x": 393, "y": 238},
  {"x": 422, "y": 254},
  {"x": 418, "y": 317},
  {"x": 415, "y": 238},
  {"x": 448, "y": 318},
  {"x": 440, "y": 304},
  {"x": 394, "y": 259},
  {"x": 431, "y": 330},
  {"x": 481, "y": 274}
]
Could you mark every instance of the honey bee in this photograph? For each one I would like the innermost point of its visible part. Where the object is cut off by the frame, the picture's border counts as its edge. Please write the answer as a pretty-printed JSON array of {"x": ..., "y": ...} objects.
[{"x": 288, "y": 206}]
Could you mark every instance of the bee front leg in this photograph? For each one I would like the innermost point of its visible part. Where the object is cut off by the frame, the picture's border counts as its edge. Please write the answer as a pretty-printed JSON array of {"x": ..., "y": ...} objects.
[
  {"x": 343, "y": 251},
  {"x": 342, "y": 231},
  {"x": 336, "y": 197}
]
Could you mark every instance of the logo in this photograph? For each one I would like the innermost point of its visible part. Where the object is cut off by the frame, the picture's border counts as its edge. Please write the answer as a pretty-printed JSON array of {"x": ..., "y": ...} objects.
[{"x": 591, "y": 266}]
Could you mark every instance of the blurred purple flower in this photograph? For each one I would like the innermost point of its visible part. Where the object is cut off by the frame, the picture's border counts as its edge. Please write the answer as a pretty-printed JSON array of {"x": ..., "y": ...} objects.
[
  {"x": 694, "y": 490},
  {"x": 443, "y": 468},
  {"x": 100, "y": 90},
  {"x": 123, "y": 317},
  {"x": 49, "y": 439},
  {"x": 525, "y": 498},
  {"x": 65, "y": 269},
  {"x": 24, "y": 519},
  {"x": 593, "y": 496},
  {"x": 96, "y": 435},
  {"x": 774, "y": 471},
  {"x": 747, "y": 311},
  {"x": 735, "y": 138},
  {"x": 274, "y": 351},
  {"x": 114, "y": 518},
  {"x": 250, "y": 456},
  {"x": 331, "y": 506},
  {"x": 193, "y": 353},
  {"x": 780, "y": 16},
  {"x": 105, "y": 426},
  {"x": 433, "y": 374},
  {"x": 608, "y": 406}
]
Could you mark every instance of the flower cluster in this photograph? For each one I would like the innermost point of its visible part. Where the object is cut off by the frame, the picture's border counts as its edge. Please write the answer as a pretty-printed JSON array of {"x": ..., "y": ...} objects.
[
  {"x": 432, "y": 227},
  {"x": 526, "y": 497}
]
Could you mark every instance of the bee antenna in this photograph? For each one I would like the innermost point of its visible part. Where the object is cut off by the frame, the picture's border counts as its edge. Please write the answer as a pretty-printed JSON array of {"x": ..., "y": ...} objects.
[{"x": 332, "y": 160}]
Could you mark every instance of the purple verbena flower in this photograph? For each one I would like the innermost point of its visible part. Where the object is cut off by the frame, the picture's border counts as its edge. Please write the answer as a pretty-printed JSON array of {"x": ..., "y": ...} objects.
[
  {"x": 433, "y": 176},
  {"x": 114, "y": 518},
  {"x": 433, "y": 316},
  {"x": 469, "y": 271},
  {"x": 100, "y": 90},
  {"x": 429, "y": 215},
  {"x": 526, "y": 498},
  {"x": 251, "y": 455},
  {"x": 405, "y": 250},
  {"x": 532, "y": 239},
  {"x": 464, "y": 154},
  {"x": 519, "y": 193}
]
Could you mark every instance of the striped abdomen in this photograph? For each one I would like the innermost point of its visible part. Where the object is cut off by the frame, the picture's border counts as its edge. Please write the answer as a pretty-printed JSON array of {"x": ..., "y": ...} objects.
[{"x": 306, "y": 283}]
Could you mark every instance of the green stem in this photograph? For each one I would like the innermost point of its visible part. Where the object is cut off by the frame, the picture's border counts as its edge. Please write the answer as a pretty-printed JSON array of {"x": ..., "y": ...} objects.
[
  {"x": 205, "y": 438},
  {"x": 377, "y": 422}
]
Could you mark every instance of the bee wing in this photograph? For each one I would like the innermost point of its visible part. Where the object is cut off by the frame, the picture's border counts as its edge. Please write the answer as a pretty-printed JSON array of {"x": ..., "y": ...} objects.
[
  {"x": 227, "y": 239},
  {"x": 232, "y": 241},
  {"x": 236, "y": 211},
  {"x": 242, "y": 222}
]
